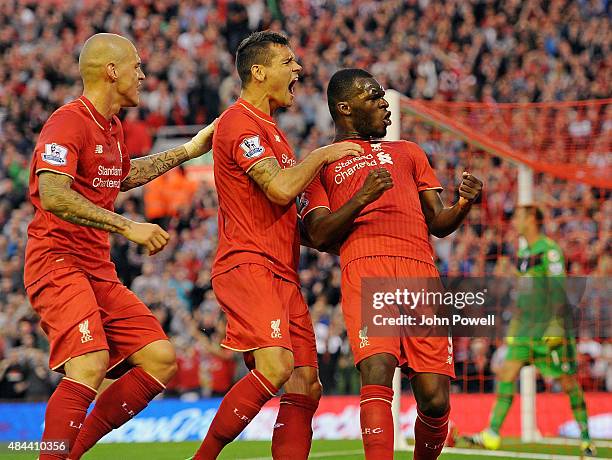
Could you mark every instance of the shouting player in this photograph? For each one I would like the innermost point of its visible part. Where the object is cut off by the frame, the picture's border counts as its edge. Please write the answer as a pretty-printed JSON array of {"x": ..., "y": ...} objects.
[
  {"x": 95, "y": 325},
  {"x": 540, "y": 314},
  {"x": 255, "y": 271},
  {"x": 381, "y": 208}
]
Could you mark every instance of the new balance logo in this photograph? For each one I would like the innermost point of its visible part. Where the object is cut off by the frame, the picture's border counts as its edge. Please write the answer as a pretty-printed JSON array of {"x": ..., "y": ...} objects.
[
  {"x": 276, "y": 332},
  {"x": 278, "y": 425},
  {"x": 277, "y": 138},
  {"x": 363, "y": 336},
  {"x": 99, "y": 149},
  {"x": 85, "y": 333}
]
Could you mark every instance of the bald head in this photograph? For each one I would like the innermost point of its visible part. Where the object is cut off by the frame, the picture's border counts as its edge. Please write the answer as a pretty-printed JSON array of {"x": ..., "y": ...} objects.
[
  {"x": 111, "y": 71},
  {"x": 99, "y": 51}
]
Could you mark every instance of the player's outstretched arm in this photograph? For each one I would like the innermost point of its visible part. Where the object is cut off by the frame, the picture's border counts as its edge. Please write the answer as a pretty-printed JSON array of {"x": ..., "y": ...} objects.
[
  {"x": 281, "y": 186},
  {"x": 57, "y": 197},
  {"x": 326, "y": 229},
  {"x": 145, "y": 169},
  {"x": 443, "y": 221}
]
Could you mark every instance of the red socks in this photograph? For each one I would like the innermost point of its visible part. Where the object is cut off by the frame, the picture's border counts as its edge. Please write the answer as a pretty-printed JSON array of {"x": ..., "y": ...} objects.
[
  {"x": 120, "y": 402},
  {"x": 239, "y": 406},
  {"x": 429, "y": 436},
  {"x": 377, "y": 422},
  {"x": 293, "y": 428},
  {"x": 65, "y": 413}
]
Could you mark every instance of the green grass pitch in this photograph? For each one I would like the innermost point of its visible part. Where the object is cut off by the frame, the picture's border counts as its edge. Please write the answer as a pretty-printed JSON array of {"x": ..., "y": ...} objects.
[{"x": 321, "y": 449}]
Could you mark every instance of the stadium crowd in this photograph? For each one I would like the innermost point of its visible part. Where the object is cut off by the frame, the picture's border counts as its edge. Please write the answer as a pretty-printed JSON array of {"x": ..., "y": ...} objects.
[{"x": 490, "y": 51}]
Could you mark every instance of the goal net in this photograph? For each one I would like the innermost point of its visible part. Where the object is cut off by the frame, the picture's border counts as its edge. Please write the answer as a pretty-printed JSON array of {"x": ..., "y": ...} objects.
[{"x": 557, "y": 156}]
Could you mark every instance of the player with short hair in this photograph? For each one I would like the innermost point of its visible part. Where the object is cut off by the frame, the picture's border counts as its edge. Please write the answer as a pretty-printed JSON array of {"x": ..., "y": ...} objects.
[
  {"x": 538, "y": 333},
  {"x": 379, "y": 209},
  {"x": 95, "y": 325},
  {"x": 254, "y": 275}
]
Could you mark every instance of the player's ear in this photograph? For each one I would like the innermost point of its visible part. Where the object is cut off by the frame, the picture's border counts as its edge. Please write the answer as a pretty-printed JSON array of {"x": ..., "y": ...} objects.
[
  {"x": 343, "y": 108},
  {"x": 258, "y": 72},
  {"x": 111, "y": 71}
]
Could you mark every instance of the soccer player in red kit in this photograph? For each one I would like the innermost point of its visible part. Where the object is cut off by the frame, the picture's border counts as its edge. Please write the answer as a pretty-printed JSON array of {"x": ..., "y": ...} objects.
[
  {"x": 95, "y": 325},
  {"x": 254, "y": 275},
  {"x": 381, "y": 207}
]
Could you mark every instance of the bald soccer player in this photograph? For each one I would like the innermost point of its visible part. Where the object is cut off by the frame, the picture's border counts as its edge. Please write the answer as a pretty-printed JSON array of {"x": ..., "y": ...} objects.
[{"x": 95, "y": 325}]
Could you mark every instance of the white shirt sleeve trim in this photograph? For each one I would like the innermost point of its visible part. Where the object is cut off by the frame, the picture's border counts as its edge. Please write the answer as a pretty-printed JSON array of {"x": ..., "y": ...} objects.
[
  {"x": 312, "y": 209},
  {"x": 258, "y": 161},
  {"x": 54, "y": 171}
]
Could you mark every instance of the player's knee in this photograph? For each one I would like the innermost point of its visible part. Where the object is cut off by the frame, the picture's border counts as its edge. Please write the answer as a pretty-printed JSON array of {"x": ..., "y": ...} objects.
[
  {"x": 278, "y": 373},
  {"x": 164, "y": 363},
  {"x": 434, "y": 404},
  {"x": 96, "y": 370},
  {"x": 315, "y": 390},
  {"x": 157, "y": 359},
  {"x": 276, "y": 367},
  {"x": 378, "y": 370},
  {"x": 567, "y": 383},
  {"x": 89, "y": 369},
  {"x": 169, "y": 369},
  {"x": 509, "y": 371}
]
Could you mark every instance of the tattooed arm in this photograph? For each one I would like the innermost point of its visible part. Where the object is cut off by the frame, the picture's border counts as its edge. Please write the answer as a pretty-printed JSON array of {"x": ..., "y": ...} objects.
[
  {"x": 145, "y": 169},
  {"x": 281, "y": 186},
  {"x": 57, "y": 197}
]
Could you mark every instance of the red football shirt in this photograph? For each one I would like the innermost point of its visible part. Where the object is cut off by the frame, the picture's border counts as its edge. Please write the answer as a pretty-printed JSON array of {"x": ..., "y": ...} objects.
[
  {"x": 252, "y": 229},
  {"x": 79, "y": 142},
  {"x": 393, "y": 225},
  {"x": 221, "y": 371}
]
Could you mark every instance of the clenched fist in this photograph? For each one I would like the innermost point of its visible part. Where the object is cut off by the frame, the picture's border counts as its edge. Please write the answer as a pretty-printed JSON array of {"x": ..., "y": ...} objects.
[
  {"x": 470, "y": 188},
  {"x": 379, "y": 180},
  {"x": 151, "y": 236}
]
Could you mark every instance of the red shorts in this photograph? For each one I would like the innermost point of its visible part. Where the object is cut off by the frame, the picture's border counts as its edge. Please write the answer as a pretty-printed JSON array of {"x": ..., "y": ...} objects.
[
  {"x": 81, "y": 314},
  {"x": 418, "y": 354},
  {"x": 265, "y": 310}
]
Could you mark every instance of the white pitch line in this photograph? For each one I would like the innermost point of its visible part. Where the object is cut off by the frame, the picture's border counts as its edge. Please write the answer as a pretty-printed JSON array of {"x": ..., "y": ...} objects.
[
  {"x": 453, "y": 450},
  {"x": 508, "y": 453},
  {"x": 341, "y": 453},
  {"x": 573, "y": 442}
]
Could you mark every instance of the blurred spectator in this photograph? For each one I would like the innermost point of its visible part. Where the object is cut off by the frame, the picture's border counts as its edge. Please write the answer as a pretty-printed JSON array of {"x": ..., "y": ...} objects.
[
  {"x": 443, "y": 51},
  {"x": 13, "y": 376},
  {"x": 137, "y": 134}
]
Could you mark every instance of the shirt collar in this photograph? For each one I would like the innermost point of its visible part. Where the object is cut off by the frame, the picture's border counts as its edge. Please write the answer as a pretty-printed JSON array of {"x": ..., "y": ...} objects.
[
  {"x": 104, "y": 124},
  {"x": 255, "y": 111}
]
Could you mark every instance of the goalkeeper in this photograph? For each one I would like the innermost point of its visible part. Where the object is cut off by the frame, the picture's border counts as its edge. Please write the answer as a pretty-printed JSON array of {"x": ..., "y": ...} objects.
[{"x": 541, "y": 333}]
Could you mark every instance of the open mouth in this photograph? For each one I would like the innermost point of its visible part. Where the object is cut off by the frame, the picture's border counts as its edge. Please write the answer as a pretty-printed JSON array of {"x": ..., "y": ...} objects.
[
  {"x": 292, "y": 86},
  {"x": 387, "y": 119}
]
